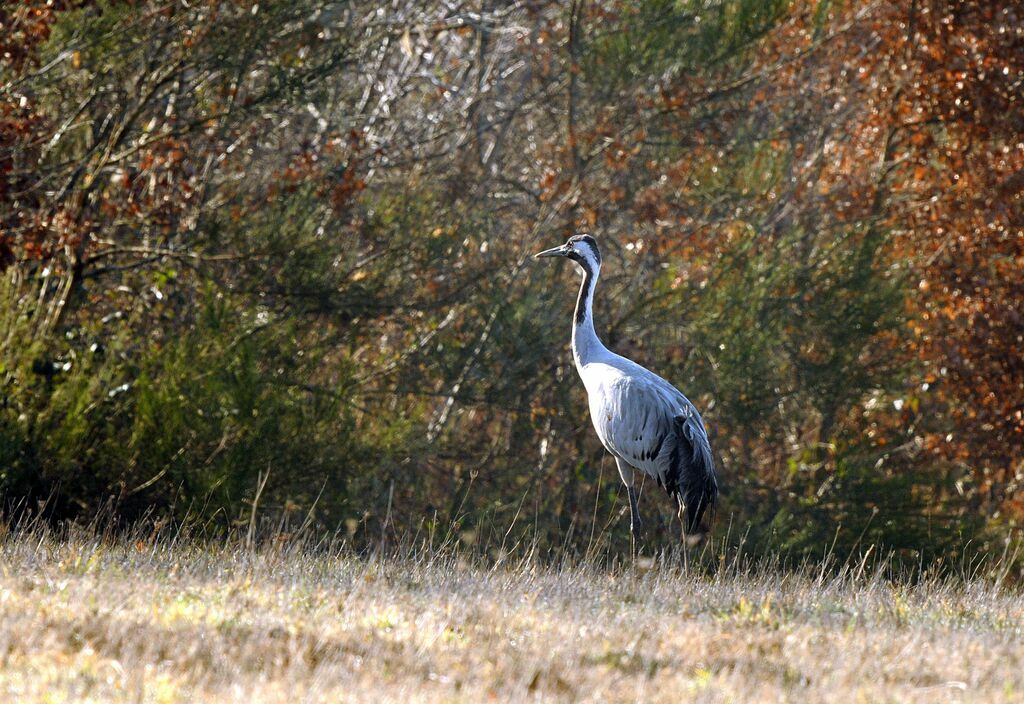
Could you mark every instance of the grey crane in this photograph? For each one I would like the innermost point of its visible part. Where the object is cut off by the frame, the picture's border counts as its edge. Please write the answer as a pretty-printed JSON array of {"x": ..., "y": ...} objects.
[{"x": 641, "y": 419}]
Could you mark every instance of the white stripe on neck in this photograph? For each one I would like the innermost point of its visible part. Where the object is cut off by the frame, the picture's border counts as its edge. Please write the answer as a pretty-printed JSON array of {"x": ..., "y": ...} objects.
[{"x": 585, "y": 343}]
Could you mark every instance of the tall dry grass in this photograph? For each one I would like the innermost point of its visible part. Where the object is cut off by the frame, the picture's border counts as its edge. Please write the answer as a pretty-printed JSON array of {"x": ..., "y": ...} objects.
[{"x": 164, "y": 617}]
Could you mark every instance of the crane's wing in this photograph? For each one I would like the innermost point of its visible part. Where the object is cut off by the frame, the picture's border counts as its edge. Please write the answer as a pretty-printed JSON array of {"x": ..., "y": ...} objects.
[{"x": 653, "y": 427}]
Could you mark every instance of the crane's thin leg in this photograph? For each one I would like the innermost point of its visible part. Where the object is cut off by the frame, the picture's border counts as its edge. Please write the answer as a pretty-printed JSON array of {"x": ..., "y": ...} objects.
[
  {"x": 635, "y": 524},
  {"x": 682, "y": 515},
  {"x": 684, "y": 538},
  {"x": 689, "y": 539}
]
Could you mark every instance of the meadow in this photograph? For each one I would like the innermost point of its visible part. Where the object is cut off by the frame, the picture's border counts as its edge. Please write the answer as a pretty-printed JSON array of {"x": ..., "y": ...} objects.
[{"x": 88, "y": 617}]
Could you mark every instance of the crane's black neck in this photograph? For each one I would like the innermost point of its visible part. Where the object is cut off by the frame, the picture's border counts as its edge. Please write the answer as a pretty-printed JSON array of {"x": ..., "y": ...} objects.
[
  {"x": 584, "y": 339},
  {"x": 585, "y": 299}
]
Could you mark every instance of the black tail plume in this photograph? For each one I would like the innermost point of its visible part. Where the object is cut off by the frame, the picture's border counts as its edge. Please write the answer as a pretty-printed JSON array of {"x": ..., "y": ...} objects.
[{"x": 698, "y": 486}]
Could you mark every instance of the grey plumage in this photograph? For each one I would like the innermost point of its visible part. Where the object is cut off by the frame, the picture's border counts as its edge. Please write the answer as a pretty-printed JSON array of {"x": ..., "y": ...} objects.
[{"x": 640, "y": 418}]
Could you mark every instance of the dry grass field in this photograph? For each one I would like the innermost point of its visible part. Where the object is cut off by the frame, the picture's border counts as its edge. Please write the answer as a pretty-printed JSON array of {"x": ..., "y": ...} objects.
[{"x": 89, "y": 619}]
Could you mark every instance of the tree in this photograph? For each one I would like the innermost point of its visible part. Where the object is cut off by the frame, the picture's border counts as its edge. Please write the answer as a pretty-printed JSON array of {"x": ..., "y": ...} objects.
[{"x": 291, "y": 240}]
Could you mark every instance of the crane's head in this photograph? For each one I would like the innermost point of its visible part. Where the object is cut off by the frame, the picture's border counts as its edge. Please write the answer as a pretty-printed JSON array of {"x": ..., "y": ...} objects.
[{"x": 582, "y": 249}]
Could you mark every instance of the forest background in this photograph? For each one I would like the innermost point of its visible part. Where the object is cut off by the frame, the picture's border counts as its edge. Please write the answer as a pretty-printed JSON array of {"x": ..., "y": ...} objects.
[{"x": 279, "y": 251}]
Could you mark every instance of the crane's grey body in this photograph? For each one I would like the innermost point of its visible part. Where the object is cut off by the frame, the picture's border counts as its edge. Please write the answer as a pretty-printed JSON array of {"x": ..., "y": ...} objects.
[{"x": 640, "y": 418}]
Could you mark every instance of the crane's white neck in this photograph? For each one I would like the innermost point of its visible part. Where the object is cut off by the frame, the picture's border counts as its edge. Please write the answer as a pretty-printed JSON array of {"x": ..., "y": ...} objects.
[{"x": 585, "y": 343}]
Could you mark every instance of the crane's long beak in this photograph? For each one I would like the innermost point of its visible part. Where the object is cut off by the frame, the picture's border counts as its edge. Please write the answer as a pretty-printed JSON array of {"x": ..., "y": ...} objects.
[{"x": 553, "y": 252}]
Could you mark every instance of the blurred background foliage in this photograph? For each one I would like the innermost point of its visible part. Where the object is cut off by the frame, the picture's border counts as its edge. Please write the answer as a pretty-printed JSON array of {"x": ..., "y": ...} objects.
[{"x": 280, "y": 250}]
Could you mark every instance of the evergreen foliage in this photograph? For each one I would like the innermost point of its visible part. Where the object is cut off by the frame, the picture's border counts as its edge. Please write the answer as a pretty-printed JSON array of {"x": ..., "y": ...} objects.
[{"x": 278, "y": 253}]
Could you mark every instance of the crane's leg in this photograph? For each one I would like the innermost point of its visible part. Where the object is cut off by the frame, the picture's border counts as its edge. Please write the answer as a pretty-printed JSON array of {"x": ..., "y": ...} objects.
[
  {"x": 689, "y": 539},
  {"x": 635, "y": 524}
]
